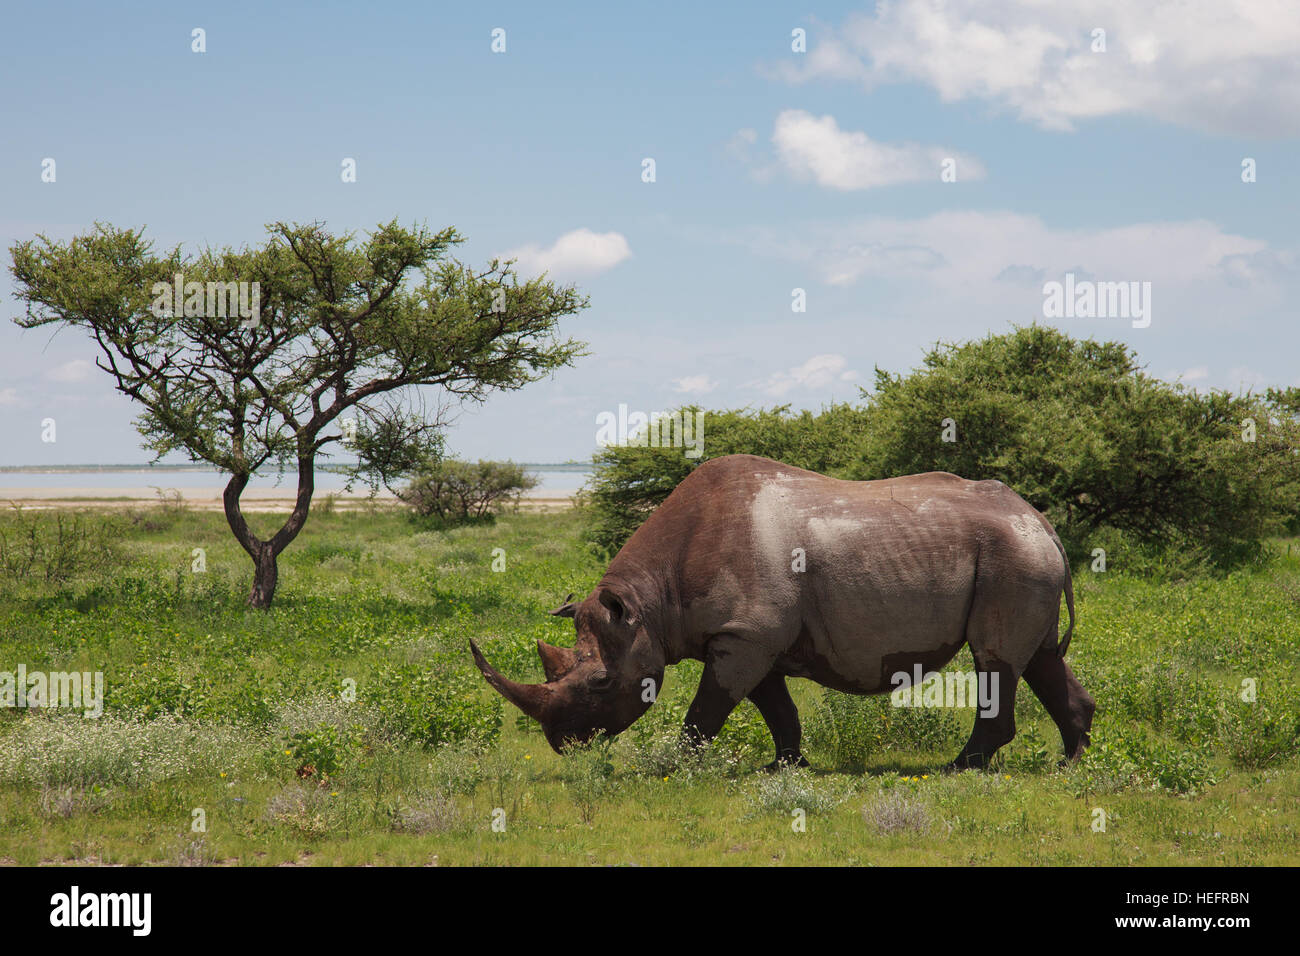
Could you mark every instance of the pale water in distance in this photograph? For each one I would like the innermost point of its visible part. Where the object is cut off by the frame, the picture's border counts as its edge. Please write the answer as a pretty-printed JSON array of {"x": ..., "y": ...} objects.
[{"x": 554, "y": 482}]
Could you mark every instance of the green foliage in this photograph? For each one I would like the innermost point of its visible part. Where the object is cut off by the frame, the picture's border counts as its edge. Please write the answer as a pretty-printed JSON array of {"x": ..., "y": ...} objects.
[
  {"x": 1264, "y": 732},
  {"x": 846, "y": 729},
  {"x": 842, "y": 731},
  {"x": 1084, "y": 435},
  {"x": 589, "y": 775},
  {"x": 459, "y": 491},
  {"x": 151, "y": 695},
  {"x": 1030, "y": 752},
  {"x": 324, "y": 750},
  {"x": 631, "y": 480},
  {"x": 1169, "y": 698},
  {"x": 1121, "y": 758},
  {"x": 789, "y": 789},
  {"x": 435, "y": 705},
  {"x": 54, "y": 546}
]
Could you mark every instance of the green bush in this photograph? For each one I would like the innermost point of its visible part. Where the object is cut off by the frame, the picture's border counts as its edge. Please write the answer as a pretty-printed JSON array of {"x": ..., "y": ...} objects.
[
  {"x": 1123, "y": 757},
  {"x": 1261, "y": 733},
  {"x": 588, "y": 774},
  {"x": 790, "y": 789},
  {"x": 842, "y": 730},
  {"x": 1080, "y": 431},
  {"x": 53, "y": 546},
  {"x": 459, "y": 491},
  {"x": 325, "y": 750}
]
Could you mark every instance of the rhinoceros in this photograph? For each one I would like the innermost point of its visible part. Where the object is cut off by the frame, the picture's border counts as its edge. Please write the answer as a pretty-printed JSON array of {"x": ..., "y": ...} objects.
[{"x": 764, "y": 571}]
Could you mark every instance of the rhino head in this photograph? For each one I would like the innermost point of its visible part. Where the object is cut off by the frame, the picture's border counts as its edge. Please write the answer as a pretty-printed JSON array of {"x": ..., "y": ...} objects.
[{"x": 600, "y": 684}]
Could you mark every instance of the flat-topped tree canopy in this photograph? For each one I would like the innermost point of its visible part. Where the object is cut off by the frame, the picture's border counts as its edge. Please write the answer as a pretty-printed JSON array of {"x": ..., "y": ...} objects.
[{"x": 248, "y": 357}]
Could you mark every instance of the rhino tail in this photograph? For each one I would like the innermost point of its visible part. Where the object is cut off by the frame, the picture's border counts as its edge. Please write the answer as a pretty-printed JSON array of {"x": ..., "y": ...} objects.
[{"x": 1064, "y": 642}]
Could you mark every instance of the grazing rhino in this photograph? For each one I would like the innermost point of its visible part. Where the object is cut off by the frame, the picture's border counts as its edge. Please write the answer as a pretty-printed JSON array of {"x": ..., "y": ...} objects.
[{"x": 764, "y": 571}]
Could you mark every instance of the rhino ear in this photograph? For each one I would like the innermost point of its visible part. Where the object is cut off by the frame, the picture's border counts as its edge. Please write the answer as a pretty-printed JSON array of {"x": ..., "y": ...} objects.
[
  {"x": 620, "y": 612},
  {"x": 568, "y": 608}
]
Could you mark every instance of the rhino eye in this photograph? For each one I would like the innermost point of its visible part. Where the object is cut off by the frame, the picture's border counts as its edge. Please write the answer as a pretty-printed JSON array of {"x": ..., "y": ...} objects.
[{"x": 600, "y": 681}]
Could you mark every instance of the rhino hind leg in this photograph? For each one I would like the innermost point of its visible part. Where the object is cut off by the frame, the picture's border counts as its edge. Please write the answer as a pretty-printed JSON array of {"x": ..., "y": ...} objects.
[
  {"x": 1069, "y": 705},
  {"x": 772, "y": 698},
  {"x": 994, "y": 729}
]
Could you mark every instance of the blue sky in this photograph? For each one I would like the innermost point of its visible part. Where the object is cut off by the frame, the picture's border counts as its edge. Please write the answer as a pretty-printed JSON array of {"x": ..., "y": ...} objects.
[{"x": 775, "y": 170}]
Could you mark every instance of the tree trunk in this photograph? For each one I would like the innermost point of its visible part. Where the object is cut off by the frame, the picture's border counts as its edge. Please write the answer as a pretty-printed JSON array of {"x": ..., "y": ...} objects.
[
  {"x": 265, "y": 574},
  {"x": 264, "y": 553}
]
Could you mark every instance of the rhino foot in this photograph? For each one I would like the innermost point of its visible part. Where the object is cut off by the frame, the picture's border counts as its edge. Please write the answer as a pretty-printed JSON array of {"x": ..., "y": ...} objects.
[{"x": 786, "y": 760}]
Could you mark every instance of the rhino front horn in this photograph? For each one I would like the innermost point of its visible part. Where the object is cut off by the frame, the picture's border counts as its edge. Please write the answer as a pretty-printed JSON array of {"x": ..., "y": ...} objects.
[{"x": 530, "y": 698}]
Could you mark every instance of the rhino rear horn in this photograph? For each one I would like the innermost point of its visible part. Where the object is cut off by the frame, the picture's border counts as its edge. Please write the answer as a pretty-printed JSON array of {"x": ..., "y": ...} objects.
[
  {"x": 530, "y": 698},
  {"x": 556, "y": 661}
]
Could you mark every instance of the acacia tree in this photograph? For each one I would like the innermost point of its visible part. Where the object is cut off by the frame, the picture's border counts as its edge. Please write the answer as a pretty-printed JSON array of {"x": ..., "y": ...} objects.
[{"x": 340, "y": 326}]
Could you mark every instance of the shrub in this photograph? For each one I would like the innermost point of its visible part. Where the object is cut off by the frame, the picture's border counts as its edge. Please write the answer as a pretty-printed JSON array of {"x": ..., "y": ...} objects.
[
  {"x": 55, "y": 546},
  {"x": 896, "y": 811},
  {"x": 1084, "y": 435},
  {"x": 458, "y": 768},
  {"x": 1029, "y": 752},
  {"x": 453, "y": 490},
  {"x": 842, "y": 730},
  {"x": 430, "y": 812},
  {"x": 1261, "y": 733},
  {"x": 789, "y": 789},
  {"x": 1120, "y": 759},
  {"x": 325, "y": 750},
  {"x": 662, "y": 753},
  {"x": 588, "y": 774},
  {"x": 311, "y": 811}
]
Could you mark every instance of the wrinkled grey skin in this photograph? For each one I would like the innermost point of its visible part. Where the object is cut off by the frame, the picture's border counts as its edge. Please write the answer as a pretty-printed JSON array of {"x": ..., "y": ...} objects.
[{"x": 764, "y": 571}]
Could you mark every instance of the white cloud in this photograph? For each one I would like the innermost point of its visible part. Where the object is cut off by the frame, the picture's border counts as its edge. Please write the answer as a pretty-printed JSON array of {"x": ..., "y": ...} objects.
[
  {"x": 9, "y": 398},
  {"x": 817, "y": 373},
  {"x": 965, "y": 251},
  {"x": 580, "y": 252},
  {"x": 78, "y": 370},
  {"x": 694, "y": 385},
  {"x": 815, "y": 147},
  {"x": 1221, "y": 65},
  {"x": 956, "y": 273}
]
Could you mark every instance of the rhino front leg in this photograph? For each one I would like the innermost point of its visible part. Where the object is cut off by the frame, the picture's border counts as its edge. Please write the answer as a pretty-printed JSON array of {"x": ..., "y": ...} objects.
[
  {"x": 733, "y": 668},
  {"x": 772, "y": 698}
]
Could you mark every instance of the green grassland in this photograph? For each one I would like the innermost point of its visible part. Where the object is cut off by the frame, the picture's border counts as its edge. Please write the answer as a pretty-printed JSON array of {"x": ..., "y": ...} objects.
[{"x": 247, "y": 717}]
